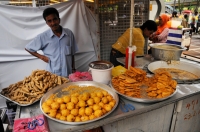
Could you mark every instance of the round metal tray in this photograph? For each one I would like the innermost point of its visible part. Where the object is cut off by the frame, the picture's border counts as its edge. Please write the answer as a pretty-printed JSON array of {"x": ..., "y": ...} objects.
[
  {"x": 143, "y": 100},
  {"x": 80, "y": 83},
  {"x": 192, "y": 68}
]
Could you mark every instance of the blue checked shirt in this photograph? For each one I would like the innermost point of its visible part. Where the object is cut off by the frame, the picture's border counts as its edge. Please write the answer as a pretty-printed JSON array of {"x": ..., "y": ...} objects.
[{"x": 59, "y": 50}]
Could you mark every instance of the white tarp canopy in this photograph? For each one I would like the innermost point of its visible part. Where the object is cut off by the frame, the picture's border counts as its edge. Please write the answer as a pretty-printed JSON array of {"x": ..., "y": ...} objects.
[{"x": 19, "y": 25}]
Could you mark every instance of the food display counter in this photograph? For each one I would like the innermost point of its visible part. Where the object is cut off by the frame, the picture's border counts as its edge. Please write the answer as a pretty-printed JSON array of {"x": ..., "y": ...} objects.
[{"x": 180, "y": 112}]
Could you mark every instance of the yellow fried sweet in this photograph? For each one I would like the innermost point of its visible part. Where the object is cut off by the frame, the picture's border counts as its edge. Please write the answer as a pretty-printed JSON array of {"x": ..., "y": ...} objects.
[
  {"x": 84, "y": 118},
  {"x": 70, "y": 118},
  {"x": 75, "y": 95},
  {"x": 107, "y": 107},
  {"x": 44, "y": 105},
  {"x": 77, "y": 119},
  {"x": 60, "y": 100},
  {"x": 98, "y": 113},
  {"x": 70, "y": 105},
  {"x": 62, "y": 106},
  {"x": 91, "y": 117},
  {"x": 85, "y": 96},
  {"x": 74, "y": 99},
  {"x": 105, "y": 93},
  {"x": 101, "y": 104},
  {"x": 55, "y": 105},
  {"x": 81, "y": 111},
  {"x": 96, "y": 107},
  {"x": 99, "y": 94},
  {"x": 90, "y": 101},
  {"x": 109, "y": 97},
  {"x": 104, "y": 111},
  {"x": 66, "y": 99},
  {"x": 63, "y": 118},
  {"x": 52, "y": 113},
  {"x": 105, "y": 100},
  {"x": 88, "y": 111},
  {"x": 58, "y": 115},
  {"x": 97, "y": 100},
  {"x": 49, "y": 102},
  {"x": 93, "y": 94},
  {"x": 112, "y": 103},
  {"x": 74, "y": 112},
  {"x": 65, "y": 112},
  {"x": 81, "y": 103},
  {"x": 46, "y": 109}
]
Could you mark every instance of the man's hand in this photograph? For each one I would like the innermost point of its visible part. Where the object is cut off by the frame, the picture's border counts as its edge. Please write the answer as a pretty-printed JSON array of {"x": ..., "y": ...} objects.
[
  {"x": 44, "y": 58},
  {"x": 73, "y": 70}
]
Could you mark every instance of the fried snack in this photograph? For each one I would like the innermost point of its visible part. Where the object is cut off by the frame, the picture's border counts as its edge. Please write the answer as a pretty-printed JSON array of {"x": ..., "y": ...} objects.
[
  {"x": 130, "y": 82},
  {"x": 79, "y": 103},
  {"x": 161, "y": 85},
  {"x": 33, "y": 87}
]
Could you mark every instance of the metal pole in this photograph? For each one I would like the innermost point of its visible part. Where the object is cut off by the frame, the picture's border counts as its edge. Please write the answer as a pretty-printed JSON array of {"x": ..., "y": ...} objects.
[
  {"x": 131, "y": 22},
  {"x": 131, "y": 32},
  {"x": 174, "y": 5}
]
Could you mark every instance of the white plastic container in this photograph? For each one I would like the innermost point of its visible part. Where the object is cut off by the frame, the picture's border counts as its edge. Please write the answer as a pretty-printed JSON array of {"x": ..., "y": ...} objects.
[
  {"x": 101, "y": 71},
  {"x": 175, "y": 22}
]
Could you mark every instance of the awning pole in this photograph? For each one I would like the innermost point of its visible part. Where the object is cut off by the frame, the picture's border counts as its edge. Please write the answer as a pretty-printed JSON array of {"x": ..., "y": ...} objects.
[
  {"x": 131, "y": 22},
  {"x": 131, "y": 32}
]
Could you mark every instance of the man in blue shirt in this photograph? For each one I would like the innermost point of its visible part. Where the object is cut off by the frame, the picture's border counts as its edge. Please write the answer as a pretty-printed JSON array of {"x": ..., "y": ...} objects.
[{"x": 57, "y": 43}]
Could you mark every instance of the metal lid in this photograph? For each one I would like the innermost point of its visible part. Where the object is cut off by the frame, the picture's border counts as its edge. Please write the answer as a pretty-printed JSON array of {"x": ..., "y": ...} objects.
[{"x": 101, "y": 65}]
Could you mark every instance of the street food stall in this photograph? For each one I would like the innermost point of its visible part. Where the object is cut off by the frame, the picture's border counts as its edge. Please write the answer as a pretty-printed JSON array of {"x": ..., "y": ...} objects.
[
  {"x": 177, "y": 111},
  {"x": 174, "y": 113}
]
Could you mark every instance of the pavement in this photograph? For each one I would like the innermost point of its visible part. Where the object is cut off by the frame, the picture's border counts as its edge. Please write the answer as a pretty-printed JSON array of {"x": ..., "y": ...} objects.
[{"x": 194, "y": 50}]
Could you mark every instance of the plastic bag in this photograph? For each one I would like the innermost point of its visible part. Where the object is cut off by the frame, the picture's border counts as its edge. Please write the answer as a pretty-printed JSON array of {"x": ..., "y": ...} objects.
[
  {"x": 26, "y": 124},
  {"x": 116, "y": 71},
  {"x": 80, "y": 76}
]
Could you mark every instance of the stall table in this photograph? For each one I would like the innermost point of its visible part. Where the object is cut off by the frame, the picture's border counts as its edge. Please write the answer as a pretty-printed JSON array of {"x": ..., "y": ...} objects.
[{"x": 179, "y": 113}]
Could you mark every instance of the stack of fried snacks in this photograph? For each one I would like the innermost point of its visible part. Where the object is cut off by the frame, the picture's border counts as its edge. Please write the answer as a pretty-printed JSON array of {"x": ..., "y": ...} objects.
[
  {"x": 161, "y": 85},
  {"x": 33, "y": 87},
  {"x": 130, "y": 82}
]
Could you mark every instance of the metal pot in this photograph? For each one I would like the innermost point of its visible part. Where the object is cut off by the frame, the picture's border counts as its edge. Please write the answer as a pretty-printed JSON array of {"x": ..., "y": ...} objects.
[
  {"x": 101, "y": 71},
  {"x": 170, "y": 52}
]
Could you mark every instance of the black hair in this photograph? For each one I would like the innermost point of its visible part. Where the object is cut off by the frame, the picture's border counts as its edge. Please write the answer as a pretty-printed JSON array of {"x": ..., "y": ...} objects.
[
  {"x": 196, "y": 12},
  {"x": 185, "y": 16},
  {"x": 49, "y": 11},
  {"x": 150, "y": 25},
  {"x": 174, "y": 14}
]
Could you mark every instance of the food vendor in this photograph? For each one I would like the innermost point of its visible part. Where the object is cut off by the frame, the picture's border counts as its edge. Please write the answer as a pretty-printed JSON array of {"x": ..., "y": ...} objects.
[
  {"x": 160, "y": 36},
  {"x": 139, "y": 35},
  {"x": 57, "y": 43}
]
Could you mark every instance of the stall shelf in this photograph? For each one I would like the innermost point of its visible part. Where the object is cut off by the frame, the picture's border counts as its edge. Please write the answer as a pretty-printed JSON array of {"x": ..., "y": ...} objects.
[{"x": 178, "y": 113}]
